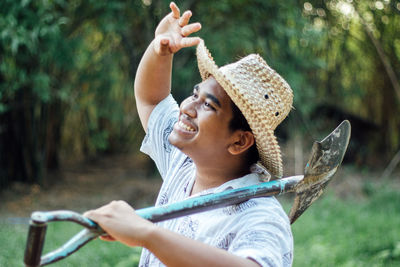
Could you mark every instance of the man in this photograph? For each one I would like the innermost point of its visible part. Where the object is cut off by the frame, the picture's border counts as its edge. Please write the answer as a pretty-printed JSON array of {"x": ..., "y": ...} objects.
[{"x": 206, "y": 146}]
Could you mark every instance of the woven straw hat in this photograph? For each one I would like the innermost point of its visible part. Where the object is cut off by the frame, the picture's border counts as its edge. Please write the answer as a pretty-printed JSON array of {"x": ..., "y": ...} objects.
[{"x": 260, "y": 93}]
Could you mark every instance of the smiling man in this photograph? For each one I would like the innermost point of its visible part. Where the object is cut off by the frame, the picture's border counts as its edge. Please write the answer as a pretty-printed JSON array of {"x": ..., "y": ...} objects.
[
  {"x": 221, "y": 137},
  {"x": 204, "y": 134}
]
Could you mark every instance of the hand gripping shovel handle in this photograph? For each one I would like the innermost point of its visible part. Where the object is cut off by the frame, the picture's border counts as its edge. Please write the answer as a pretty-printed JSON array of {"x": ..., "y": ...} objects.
[
  {"x": 39, "y": 220},
  {"x": 325, "y": 158}
]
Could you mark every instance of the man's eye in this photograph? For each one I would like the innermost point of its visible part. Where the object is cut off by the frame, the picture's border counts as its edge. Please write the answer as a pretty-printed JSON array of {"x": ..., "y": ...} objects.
[{"x": 208, "y": 105}]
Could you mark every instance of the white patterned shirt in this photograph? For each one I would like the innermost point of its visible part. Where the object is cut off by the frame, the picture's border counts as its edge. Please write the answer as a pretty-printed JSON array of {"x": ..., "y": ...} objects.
[{"x": 258, "y": 229}]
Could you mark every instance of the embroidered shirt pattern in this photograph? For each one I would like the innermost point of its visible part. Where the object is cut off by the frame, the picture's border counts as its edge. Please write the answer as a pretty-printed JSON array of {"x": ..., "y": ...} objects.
[{"x": 244, "y": 229}]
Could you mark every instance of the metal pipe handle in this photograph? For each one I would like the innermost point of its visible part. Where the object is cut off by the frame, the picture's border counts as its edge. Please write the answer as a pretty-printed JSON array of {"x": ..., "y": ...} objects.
[
  {"x": 37, "y": 232},
  {"x": 188, "y": 206}
]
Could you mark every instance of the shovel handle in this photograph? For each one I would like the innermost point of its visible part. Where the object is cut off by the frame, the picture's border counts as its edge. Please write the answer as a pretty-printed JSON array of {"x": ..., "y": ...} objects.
[
  {"x": 37, "y": 233},
  {"x": 34, "y": 244},
  {"x": 154, "y": 214}
]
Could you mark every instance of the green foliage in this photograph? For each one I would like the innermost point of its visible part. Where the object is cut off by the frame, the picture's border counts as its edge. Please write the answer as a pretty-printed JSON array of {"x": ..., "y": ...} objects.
[
  {"x": 67, "y": 69},
  {"x": 361, "y": 70},
  {"x": 30, "y": 34}
]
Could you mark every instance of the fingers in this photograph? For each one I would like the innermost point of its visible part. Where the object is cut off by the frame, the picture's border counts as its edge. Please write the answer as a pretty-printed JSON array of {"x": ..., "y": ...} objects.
[
  {"x": 175, "y": 10},
  {"x": 190, "y": 41},
  {"x": 107, "y": 238},
  {"x": 191, "y": 28},
  {"x": 99, "y": 213},
  {"x": 162, "y": 45},
  {"x": 90, "y": 214},
  {"x": 171, "y": 33},
  {"x": 184, "y": 20},
  {"x": 95, "y": 216}
]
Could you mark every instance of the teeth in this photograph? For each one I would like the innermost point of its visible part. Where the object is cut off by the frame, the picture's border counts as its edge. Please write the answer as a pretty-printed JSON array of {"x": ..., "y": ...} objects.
[{"x": 185, "y": 126}]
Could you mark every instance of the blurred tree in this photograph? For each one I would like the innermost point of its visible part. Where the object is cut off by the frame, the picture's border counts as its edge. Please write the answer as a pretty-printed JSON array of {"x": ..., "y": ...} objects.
[
  {"x": 361, "y": 55},
  {"x": 43, "y": 47},
  {"x": 67, "y": 69},
  {"x": 33, "y": 54}
]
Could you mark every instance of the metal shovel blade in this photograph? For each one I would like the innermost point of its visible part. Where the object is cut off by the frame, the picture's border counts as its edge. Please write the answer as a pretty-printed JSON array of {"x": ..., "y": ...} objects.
[{"x": 326, "y": 157}]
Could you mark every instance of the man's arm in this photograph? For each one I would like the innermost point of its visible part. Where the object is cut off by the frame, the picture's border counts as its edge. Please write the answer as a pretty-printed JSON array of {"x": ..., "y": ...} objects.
[
  {"x": 177, "y": 250},
  {"x": 153, "y": 77},
  {"x": 122, "y": 224}
]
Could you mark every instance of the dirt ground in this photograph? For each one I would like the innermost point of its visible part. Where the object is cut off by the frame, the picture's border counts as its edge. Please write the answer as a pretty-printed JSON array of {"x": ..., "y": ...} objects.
[{"x": 83, "y": 186}]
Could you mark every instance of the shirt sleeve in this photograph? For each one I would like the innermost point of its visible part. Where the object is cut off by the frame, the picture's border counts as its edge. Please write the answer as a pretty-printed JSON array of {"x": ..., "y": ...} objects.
[
  {"x": 160, "y": 125},
  {"x": 266, "y": 238}
]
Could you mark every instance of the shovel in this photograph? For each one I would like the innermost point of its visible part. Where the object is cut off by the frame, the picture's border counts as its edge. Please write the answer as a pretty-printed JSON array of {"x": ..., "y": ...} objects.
[{"x": 326, "y": 156}]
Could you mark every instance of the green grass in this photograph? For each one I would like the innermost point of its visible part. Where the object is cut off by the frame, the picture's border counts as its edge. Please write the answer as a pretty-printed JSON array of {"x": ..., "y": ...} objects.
[
  {"x": 333, "y": 232},
  {"x": 96, "y": 253}
]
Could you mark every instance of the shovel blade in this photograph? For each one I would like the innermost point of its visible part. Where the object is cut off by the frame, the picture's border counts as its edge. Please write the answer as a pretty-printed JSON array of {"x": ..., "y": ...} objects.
[{"x": 326, "y": 157}]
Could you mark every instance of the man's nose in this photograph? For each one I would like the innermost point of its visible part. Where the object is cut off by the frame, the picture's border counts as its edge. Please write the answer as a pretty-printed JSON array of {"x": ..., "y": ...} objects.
[{"x": 188, "y": 107}]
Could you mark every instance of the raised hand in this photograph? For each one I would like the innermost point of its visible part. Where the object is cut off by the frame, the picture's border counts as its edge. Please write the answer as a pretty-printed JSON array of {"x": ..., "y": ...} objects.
[{"x": 172, "y": 32}]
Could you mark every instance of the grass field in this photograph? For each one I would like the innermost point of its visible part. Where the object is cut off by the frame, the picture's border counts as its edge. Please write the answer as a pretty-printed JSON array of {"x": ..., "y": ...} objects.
[
  {"x": 333, "y": 232},
  {"x": 338, "y": 232}
]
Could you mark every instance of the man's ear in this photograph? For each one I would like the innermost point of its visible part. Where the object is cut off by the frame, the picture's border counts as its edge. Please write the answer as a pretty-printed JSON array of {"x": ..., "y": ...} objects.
[{"x": 242, "y": 141}]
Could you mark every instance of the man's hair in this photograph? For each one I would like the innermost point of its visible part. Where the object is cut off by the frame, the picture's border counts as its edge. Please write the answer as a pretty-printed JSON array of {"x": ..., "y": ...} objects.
[{"x": 239, "y": 122}]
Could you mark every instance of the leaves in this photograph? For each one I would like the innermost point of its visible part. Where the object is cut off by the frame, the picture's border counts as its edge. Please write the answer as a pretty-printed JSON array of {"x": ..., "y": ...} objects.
[{"x": 74, "y": 62}]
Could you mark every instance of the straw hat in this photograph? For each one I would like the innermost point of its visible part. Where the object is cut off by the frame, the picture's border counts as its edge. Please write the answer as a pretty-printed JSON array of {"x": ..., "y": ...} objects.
[{"x": 262, "y": 95}]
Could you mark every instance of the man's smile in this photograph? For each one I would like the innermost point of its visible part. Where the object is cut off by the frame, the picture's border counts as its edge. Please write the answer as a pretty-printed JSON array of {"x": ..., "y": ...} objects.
[{"x": 185, "y": 126}]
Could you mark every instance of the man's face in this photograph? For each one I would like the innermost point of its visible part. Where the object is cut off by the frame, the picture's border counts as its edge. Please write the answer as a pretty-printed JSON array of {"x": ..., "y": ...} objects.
[{"x": 202, "y": 131}]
